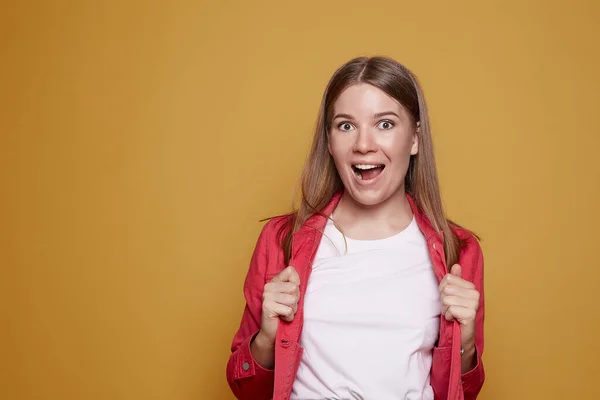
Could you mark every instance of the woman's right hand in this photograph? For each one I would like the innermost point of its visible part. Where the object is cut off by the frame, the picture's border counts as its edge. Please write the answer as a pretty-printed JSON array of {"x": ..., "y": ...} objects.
[{"x": 280, "y": 300}]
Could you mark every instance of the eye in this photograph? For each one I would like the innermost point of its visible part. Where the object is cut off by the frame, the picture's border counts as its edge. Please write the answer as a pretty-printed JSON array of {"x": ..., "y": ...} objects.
[
  {"x": 385, "y": 125},
  {"x": 345, "y": 126}
]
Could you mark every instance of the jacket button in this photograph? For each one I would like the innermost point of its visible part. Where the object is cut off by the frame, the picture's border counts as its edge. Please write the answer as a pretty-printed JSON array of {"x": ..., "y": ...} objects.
[{"x": 246, "y": 366}]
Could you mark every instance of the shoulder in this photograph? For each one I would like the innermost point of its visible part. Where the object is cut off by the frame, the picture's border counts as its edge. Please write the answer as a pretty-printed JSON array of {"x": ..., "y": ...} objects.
[
  {"x": 268, "y": 252},
  {"x": 270, "y": 241},
  {"x": 276, "y": 227},
  {"x": 470, "y": 241},
  {"x": 471, "y": 254}
]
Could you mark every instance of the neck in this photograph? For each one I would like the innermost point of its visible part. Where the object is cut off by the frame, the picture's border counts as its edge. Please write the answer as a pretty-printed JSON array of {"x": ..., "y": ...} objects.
[{"x": 373, "y": 222}]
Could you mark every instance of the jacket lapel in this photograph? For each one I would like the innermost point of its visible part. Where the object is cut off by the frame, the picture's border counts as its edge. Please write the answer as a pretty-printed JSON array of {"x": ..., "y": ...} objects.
[
  {"x": 304, "y": 247},
  {"x": 288, "y": 351}
]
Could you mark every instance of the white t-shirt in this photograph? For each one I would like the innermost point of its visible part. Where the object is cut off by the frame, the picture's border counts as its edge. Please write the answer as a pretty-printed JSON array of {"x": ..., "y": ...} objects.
[{"x": 371, "y": 319}]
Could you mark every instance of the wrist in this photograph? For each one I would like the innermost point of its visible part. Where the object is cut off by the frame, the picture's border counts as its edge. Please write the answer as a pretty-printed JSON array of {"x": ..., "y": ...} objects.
[
  {"x": 263, "y": 351},
  {"x": 263, "y": 342},
  {"x": 468, "y": 348},
  {"x": 468, "y": 357},
  {"x": 467, "y": 353}
]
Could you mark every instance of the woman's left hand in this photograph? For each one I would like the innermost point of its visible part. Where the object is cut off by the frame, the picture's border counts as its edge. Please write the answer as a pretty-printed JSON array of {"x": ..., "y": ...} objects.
[{"x": 460, "y": 301}]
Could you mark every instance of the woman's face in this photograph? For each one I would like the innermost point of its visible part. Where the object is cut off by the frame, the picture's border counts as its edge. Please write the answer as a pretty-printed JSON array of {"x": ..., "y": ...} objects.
[{"x": 371, "y": 140}]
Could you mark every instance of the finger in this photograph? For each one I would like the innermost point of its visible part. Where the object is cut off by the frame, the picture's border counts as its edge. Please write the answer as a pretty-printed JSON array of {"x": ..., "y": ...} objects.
[
  {"x": 282, "y": 287},
  {"x": 281, "y": 310},
  {"x": 288, "y": 318},
  {"x": 455, "y": 280},
  {"x": 285, "y": 299},
  {"x": 453, "y": 290},
  {"x": 293, "y": 277},
  {"x": 457, "y": 301},
  {"x": 444, "y": 309},
  {"x": 445, "y": 281},
  {"x": 443, "y": 284},
  {"x": 461, "y": 314},
  {"x": 287, "y": 275},
  {"x": 286, "y": 314},
  {"x": 448, "y": 315},
  {"x": 281, "y": 276},
  {"x": 456, "y": 270}
]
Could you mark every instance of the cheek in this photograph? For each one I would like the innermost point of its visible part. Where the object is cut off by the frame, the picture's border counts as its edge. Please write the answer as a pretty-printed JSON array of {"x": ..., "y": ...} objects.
[
  {"x": 397, "y": 148},
  {"x": 338, "y": 149}
]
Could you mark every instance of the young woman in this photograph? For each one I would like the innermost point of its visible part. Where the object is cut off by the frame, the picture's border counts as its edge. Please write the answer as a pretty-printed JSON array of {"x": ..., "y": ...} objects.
[{"x": 367, "y": 291}]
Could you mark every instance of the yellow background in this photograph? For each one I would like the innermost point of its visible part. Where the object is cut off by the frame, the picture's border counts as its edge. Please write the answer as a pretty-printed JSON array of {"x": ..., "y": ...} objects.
[{"x": 142, "y": 141}]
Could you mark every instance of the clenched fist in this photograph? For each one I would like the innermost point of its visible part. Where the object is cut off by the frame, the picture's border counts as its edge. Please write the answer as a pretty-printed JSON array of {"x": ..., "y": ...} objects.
[
  {"x": 280, "y": 300},
  {"x": 460, "y": 302}
]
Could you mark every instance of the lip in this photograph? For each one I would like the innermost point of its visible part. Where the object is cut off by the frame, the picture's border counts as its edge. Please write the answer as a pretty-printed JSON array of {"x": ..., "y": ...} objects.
[
  {"x": 368, "y": 162},
  {"x": 369, "y": 182}
]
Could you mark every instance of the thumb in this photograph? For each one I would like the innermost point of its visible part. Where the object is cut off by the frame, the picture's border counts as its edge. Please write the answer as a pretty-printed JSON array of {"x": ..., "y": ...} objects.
[
  {"x": 456, "y": 270},
  {"x": 288, "y": 275}
]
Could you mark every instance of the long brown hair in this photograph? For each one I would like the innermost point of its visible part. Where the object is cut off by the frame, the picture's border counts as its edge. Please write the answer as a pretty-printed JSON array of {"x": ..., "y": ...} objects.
[{"x": 320, "y": 180}]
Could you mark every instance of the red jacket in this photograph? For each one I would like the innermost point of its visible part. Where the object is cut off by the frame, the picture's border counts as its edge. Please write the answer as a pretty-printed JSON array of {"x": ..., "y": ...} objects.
[{"x": 249, "y": 381}]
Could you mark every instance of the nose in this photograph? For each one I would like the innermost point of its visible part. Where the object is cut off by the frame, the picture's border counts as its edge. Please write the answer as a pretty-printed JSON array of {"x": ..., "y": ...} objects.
[{"x": 365, "y": 141}]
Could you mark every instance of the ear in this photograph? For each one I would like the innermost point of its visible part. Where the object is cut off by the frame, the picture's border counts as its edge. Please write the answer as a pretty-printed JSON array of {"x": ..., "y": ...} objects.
[
  {"x": 415, "y": 144},
  {"x": 329, "y": 145}
]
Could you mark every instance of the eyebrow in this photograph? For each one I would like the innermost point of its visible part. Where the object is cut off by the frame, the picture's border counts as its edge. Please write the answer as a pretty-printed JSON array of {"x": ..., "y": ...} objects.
[{"x": 378, "y": 115}]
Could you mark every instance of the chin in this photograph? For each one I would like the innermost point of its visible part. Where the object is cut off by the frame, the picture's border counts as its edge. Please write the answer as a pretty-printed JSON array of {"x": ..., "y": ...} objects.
[
  {"x": 375, "y": 195},
  {"x": 368, "y": 198}
]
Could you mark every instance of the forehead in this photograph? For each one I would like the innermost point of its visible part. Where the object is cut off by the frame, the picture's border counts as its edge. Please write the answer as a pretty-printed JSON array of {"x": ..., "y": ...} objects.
[{"x": 365, "y": 99}]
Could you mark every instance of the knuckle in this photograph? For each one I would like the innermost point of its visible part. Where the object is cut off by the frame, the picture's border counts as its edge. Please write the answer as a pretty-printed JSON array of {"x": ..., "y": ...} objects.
[
  {"x": 265, "y": 307},
  {"x": 270, "y": 287}
]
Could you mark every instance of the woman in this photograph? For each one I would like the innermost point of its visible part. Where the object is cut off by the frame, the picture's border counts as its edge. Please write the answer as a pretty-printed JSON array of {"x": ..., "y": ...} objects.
[{"x": 367, "y": 291}]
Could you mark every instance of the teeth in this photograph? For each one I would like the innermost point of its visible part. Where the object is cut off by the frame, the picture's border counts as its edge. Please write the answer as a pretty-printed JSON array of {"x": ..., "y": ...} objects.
[{"x": 366, "y": 166}]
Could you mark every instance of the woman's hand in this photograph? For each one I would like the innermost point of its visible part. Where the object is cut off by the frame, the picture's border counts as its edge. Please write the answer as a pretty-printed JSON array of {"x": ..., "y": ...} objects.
[
  {"x": 280, "y": 300},
  {"x": 460, "y": 301}
]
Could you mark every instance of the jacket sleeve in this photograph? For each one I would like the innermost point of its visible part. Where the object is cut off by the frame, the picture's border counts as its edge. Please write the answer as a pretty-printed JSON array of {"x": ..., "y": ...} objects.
[
  {"x": 247, "y": 379},
  {"x": 473, "y": 380}
]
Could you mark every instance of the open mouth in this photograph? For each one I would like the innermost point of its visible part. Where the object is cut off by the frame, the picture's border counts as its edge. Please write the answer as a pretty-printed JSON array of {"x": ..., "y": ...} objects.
[{"x": 367, "y": 172}]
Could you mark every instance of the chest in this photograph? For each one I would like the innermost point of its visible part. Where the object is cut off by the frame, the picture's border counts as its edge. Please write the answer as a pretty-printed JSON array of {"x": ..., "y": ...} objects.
[
  {"x": 394, "y": 288},
  {"x": 388, "y": 280}
]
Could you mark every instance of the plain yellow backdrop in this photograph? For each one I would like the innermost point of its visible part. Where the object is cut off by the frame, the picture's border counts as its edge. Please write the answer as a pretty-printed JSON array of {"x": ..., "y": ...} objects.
[{"x": 141, "y": 142}]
